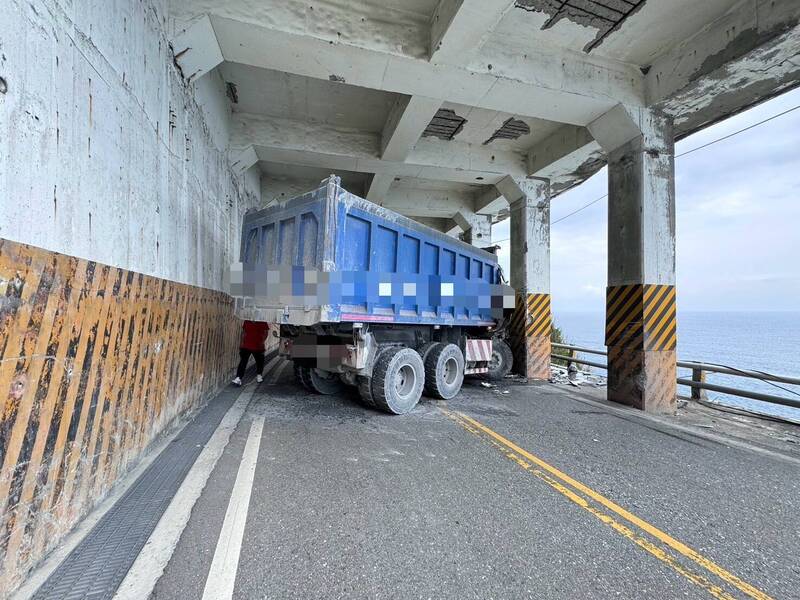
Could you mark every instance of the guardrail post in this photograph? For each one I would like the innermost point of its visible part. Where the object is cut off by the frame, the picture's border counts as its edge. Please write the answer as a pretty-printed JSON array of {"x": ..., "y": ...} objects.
[{"x": 699, "y": 376}]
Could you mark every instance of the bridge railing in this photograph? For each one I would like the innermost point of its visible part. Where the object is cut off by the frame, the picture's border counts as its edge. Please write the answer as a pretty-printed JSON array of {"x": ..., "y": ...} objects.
[{"x": 698, "y": 382}]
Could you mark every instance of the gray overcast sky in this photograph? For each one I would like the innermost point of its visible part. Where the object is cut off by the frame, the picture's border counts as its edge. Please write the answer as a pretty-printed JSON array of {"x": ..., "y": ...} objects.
[{"x": 738, "y": 221}]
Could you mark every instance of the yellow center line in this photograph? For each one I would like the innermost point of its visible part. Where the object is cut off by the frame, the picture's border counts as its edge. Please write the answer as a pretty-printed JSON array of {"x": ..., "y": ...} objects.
[{"x": 548, "y": 472}]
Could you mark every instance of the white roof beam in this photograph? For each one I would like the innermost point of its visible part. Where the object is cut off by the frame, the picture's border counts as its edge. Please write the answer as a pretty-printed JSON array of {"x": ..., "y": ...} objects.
[
  {"x": 407, "y": 120},
  {"x": 196, "y": 48},
  {"x": 303, "y": 143},
  {"x": 379, "y": 186},
  {"x": 490, "y": 201},
  {"x": 569, "y": 87},
  {"x": 563, "y": 150},
  {"x": 461, "y": 27},
  {"x": 243, "y": 158},
  {"x": 418, "y": 202},
  {"x": 744, "y": 57},
  {"x": 437, "y": 223},
  {"x": 567, "y": 157}
]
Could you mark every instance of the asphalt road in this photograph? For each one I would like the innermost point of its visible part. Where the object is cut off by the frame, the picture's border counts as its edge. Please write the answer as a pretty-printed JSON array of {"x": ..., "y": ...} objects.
[{"x": 530, "y": 494}]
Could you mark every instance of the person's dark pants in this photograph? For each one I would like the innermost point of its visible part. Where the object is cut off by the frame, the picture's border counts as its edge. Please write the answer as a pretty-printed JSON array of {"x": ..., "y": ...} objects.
[{"x": 244, "y": 357}]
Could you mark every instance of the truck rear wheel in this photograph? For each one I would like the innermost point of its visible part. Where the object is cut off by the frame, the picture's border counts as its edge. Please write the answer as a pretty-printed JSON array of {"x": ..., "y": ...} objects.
[
  {"x": 303, "y": 376},
  {"x": 365, "y": 391},
  {"x": 397, "y": 380},
  {"x": 425, "y": 349},
  {"x": 501, "y": 361},
  {"x": 444, "y": 371},
  {"x": 325, "y": 382}
]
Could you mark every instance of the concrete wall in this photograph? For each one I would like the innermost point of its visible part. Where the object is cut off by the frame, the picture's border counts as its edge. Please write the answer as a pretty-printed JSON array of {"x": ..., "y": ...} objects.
[
  {"x": 95, "y": 362},
  {"x": 109, "y": 158},
  {"x": 105, "y": 153}
]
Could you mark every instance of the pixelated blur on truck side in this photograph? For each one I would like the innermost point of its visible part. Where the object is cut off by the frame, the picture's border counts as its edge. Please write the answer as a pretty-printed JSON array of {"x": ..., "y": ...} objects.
[{"x": 369, "y": 298}]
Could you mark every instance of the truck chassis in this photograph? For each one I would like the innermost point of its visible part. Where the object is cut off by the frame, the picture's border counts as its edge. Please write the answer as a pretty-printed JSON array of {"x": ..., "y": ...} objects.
[{"x": 392, "y": 365}]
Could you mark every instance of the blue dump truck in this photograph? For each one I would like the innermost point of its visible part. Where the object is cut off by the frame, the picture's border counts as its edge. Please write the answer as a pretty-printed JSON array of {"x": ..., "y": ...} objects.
[{"x": 369, "y": 298}]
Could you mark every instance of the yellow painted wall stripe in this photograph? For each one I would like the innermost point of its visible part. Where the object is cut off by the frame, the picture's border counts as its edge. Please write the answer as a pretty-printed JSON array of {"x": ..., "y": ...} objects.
[{"x": 663, "y": 537}]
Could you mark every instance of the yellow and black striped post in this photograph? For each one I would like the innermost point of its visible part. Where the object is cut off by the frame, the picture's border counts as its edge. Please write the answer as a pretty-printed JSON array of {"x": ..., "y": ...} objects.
[
  {"x": 530, "y": 328},
  {"x": 641, "y": 338}
]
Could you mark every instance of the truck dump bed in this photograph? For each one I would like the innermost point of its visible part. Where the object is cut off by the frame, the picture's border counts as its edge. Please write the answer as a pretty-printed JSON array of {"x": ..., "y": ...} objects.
[{"x": 330, "y": 256}]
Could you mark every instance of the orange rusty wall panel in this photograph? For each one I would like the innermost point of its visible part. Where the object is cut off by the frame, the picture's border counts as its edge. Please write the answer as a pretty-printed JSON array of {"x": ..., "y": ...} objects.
[{"x": 95, "y": 361}]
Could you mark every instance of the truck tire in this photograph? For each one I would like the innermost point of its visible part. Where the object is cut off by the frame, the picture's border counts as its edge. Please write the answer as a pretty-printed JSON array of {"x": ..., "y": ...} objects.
[
  {"x": 501, "y": 361},
  {"x": 303, "y": 376},
  {"x": 425, "y": 349},
  {"x": 325, "y": 382},
  {"x": 365, "y": 384},
  {"x": 365, "y": 391},
  {"x": 444, "y": 371},
  {"x": 397, "y": 380}
]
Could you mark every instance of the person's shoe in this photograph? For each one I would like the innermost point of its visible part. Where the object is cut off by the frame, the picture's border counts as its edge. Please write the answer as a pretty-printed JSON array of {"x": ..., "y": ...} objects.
[
  {"x": 237, "y": 381},
  {"x": 259, "y": 378}
]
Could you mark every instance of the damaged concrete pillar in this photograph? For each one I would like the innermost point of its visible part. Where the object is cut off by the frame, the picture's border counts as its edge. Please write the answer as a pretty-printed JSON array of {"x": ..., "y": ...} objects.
[
  {"x": 530, "y": 326},
  {"x": 477, "y": 229},
  {"x": 640, "y": 300}
]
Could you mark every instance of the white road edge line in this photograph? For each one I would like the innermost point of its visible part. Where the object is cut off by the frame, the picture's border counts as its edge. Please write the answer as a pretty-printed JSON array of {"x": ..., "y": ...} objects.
[
  {"x": 222, "y": 574},
  {"x": 76, "y": 536},
  {"x": 156, "y": 553}
]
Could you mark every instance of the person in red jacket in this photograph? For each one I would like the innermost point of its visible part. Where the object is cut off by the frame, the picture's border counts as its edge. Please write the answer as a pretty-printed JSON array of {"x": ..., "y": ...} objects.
[{"x": 254, "y": 335}]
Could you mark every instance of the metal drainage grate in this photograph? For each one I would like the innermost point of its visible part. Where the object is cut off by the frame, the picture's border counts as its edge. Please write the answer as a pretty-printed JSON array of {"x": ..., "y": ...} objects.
[{"x": 97, "y": 566}]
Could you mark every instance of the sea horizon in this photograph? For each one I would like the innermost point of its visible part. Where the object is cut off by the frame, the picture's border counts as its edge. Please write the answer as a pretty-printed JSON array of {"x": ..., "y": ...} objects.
[{"x": 760, "y": 340}]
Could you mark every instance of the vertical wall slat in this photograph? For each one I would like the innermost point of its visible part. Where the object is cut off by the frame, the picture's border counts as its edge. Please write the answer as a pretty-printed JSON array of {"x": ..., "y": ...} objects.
[{"x": 95, "y": 361}]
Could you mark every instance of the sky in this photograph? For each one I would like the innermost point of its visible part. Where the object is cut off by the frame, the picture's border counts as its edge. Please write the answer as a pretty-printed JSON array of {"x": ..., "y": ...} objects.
[{"x": 737, "y": 213}]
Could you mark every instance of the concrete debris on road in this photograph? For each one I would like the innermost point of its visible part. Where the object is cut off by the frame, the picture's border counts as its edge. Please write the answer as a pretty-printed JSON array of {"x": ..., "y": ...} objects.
[{"x": 575, "y": 377}]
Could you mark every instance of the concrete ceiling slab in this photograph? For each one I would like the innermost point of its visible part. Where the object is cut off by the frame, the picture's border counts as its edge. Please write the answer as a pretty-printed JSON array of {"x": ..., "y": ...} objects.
[
  {"x": 482, "y": 124},
  {"x": 352, "y": 85},
  {"x": 642, "y": 37},
  {"x": 277, "y": 94}
]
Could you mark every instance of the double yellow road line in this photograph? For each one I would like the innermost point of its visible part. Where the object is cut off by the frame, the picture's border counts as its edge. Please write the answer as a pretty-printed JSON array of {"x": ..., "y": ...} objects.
[{"x": 659, "y": 544}]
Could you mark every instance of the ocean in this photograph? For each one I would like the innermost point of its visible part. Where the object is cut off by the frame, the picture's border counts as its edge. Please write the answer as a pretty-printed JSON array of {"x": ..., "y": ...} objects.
[{"x": 762, "y": 341}]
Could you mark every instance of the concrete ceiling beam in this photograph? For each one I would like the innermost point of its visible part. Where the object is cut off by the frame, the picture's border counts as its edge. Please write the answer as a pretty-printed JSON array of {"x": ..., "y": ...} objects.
[
  {"x": 303, "y": 143},
  {"x": 408, "y": 118},
  {"x": 490, "y": 201},
  {"x": 567, "y": 157},
  {"x": 437, "y": 223},
  {"x": 496, "y": 198},
  {"x": 378, "y": 187},
  {"x": 560, "y": 147},
  {"x": 569, "y": 87},
  {"x": 623, "y": 124},
  {"x": 416, "y": 202},
  {"x": 744, "y": 57},
  {"x": 453, "y": 228},
  {"x": 196, "y": 48},
  {"x": 243, "y": 158},
  {"x": 461, "y": 27},
  {"x": 615, "y": 128},
  {"x": 464, "y": 219}
]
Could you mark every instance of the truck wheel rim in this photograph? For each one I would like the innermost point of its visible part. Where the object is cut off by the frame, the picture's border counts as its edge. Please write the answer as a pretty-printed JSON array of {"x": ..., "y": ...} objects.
[
  {"x": 495, "y": 361},
  {"x": 406, "y": 378},
  {"x": 450, "y": 371}
]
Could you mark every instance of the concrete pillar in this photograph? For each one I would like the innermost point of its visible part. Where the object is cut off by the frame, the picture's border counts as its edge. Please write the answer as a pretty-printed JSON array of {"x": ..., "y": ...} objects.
[
  {"x": 530, "y": 326},
  {"x": 477, "y": 229},
  {"x": 640, "y": 300}
]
